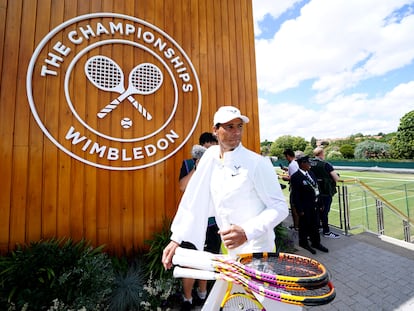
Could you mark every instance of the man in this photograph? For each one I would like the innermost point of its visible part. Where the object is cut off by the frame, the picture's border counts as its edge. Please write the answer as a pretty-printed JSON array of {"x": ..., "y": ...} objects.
[
  {"x": 327, "y": 178},
  {"x": 213, "y": 240},
  {"x": 305, "y": 195},
  {"x": 238, "y": 187},
  {"x": 291, "y": 169}
]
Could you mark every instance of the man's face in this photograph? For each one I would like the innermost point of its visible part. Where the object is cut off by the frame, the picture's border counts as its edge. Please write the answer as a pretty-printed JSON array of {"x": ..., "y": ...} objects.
[
  {"x": 289, "y": 158},
  {"x": 229, "y": 134},
  {"x": 305, "y": 166}
]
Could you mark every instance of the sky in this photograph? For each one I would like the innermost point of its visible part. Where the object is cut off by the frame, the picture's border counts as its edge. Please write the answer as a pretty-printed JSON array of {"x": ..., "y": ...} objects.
[{"x": 333, "y": 68}]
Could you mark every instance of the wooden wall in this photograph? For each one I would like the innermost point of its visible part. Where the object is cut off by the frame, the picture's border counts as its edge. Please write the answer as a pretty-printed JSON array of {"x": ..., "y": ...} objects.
[{"x": 46, "y": 192}]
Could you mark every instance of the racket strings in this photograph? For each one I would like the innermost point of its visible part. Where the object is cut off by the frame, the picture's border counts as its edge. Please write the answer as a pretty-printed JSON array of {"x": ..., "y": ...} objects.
[
  {"x": 146, "y": 78},
  {"x": 310, "y": 292},
  {"x": 104, "y": 73},
  {"x": 277, "y": 266},
  {"x": 275, "y": 290},
  {"x": 317, "y": 296},
  {"x": 241, "y": 302}
]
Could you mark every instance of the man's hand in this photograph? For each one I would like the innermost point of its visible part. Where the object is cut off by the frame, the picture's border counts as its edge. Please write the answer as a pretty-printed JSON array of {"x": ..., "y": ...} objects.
[
  {"x": 233, "y": 237},
  {"x": 168, "y": 254}
]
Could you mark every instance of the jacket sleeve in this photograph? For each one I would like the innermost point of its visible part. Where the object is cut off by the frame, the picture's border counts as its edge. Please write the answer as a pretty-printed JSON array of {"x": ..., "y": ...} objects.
[{"x": 270, "y": 193}]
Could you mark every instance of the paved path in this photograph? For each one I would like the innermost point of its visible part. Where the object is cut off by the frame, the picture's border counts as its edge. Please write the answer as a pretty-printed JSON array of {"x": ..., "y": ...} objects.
[{"x": 368, "y": 273}]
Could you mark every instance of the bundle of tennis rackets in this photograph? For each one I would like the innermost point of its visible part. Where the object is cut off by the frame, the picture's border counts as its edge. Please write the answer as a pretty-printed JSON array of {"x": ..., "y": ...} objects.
[{"x": 283, "y": 277}]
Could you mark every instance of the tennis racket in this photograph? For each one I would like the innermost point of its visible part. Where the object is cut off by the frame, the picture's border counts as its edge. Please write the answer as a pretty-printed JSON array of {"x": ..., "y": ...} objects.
[
  {"x": 309, "y": 297},
  {"x": 144, "y": 79},
  {"x": 240, "y": 301},
  {"x": 105, "y": 74},
  {"x": 286, "y": 269}
]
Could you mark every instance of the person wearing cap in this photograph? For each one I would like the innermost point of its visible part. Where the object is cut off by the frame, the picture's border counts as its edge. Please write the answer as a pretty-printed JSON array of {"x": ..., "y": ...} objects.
[
  {"x": 238, "y": 187},
  {"x": 305, "y": 196}
]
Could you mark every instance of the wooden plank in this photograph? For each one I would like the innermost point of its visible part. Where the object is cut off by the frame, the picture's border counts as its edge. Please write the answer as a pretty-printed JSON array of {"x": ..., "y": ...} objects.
[
  {"x": 3, "y": 16},
  {"x": 50, "y": 152},
  {"x": 7, "y": 112},
  {"x": 102, "y": 207},
  {"x": 138, "y": 203},
  {"x": 203, "y": 68},
  {"x": 77, "y": 201},
  {"x": 21, "y": 129},
  {"x": 18, "y": 202},
  {"x": 213, "y": 101},
  {"x": 63, "y": 209},
  {"x": 4, "y": 199},
  {"x": 115, "y": 224},
  {"x": 90, "y": 205},
  {"x": 227, "y": 54},
  {"x": 87, "y": 185},
  {"x": 36, "y": 139},
  {"x": 250, "y": 75},
  {"x": 127, "y": 210},
  {"x": 234, "y": 54},
  {"x": 218, "y": 53},
  {"x": 239, "y": 52}
]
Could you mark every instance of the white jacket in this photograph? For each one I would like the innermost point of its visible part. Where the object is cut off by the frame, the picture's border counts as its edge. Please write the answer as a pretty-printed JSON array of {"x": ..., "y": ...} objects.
[{"x": 242, "y": 189}]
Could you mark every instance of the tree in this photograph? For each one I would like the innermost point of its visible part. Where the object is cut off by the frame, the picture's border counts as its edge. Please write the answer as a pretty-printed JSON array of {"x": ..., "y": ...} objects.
[
  {"x": 334, "y": 155},
  {"x": 369, "y": 149},
  {"x": 287, "y": 141},
  {"x": 403, "y": 142},
  {"x": 347, "y": 151},
  {"x": 313, "y": 142},
  {"x": 265, "y": 147}
]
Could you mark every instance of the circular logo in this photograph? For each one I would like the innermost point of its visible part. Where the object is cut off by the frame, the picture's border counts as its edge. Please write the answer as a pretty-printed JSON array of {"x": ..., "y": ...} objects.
[{"x": 113, "y": 91}]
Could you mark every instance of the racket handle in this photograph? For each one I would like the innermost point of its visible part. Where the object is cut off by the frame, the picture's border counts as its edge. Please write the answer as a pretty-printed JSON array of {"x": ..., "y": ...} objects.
[
  {"x": 108, "y": 108},
  {"x": 193, "y": 262},
  {"x": 193, "y": 274},
  {"x": 194, "y": 253},
  {"x": 140, "y": 108}
]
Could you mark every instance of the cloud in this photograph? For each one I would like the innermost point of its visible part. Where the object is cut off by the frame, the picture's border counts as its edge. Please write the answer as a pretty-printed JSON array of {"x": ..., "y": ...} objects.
[
  {"x": 335, "y": 47},
  {"x": 342, "y": 117},
  {"x": 261, "y": 8}
]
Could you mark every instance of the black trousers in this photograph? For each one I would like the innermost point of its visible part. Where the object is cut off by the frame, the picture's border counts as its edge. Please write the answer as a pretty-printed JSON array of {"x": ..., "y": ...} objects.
[{"x": 309, "y": 227}]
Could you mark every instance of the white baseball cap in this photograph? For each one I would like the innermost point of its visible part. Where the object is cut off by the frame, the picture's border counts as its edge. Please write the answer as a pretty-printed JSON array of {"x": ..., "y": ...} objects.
[{"x": 228, "y": 113}]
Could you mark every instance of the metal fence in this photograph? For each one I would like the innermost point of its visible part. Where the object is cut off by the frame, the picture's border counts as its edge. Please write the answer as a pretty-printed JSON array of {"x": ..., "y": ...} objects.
[{"x": 383, "y": 210}]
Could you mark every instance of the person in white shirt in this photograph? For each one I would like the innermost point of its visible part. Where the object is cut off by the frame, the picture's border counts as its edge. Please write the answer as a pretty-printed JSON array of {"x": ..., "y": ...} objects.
[{"x": 237, "y": 186}]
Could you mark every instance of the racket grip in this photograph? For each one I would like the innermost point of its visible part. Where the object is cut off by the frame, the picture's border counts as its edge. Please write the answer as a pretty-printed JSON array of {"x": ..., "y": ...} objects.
[
  {"x": 193, "y": 262},
  {"x": 193, "y": 274},
  {"x": 185, "y": 252},
  {"x": 140, "y": 108},
  {"x": 108, "y": 108}
]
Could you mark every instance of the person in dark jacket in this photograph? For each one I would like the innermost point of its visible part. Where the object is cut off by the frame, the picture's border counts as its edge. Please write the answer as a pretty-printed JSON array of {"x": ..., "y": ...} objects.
[
  {"x": 327, "y": 178},
  {"x": 305, "y": 196}
]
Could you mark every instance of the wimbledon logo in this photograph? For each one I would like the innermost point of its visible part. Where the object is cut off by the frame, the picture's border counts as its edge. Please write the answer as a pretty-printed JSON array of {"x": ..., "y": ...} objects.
[{"x": 113, "y": 91}]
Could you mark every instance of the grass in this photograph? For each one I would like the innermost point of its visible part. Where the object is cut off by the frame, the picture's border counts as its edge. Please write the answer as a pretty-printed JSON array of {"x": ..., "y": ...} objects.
[{"x": 395, "y": 190}]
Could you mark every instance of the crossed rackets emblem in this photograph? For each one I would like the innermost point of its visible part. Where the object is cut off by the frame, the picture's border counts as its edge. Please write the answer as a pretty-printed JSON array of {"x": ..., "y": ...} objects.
[{"x": 107, "y": 75}]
